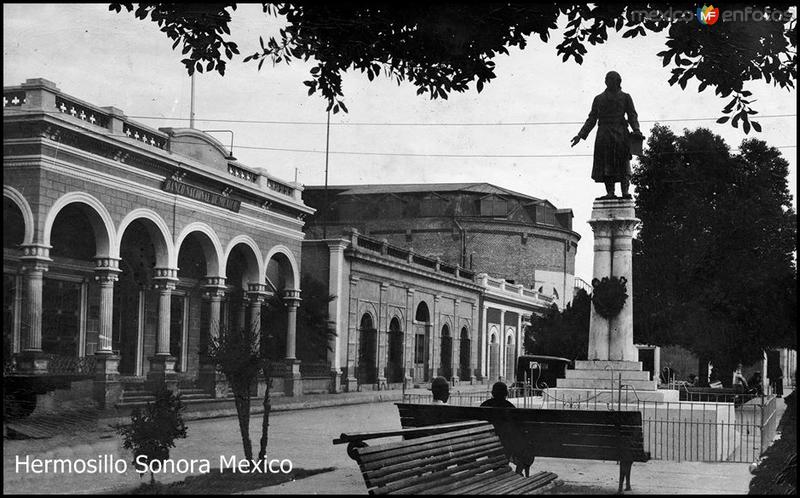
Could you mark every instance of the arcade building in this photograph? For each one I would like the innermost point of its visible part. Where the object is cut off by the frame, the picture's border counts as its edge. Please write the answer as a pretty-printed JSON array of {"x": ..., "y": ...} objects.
[{"x": 125, "y": 248}]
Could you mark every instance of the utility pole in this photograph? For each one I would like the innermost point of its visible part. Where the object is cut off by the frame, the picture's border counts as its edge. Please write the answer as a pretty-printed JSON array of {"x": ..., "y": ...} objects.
[
  {"x": 327, "y": 146},
  {"x": 191, "y": 107}
]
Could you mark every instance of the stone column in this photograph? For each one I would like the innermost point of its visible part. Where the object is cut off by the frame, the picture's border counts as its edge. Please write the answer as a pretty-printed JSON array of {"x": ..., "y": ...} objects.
[
  {"x": 210, "y": 380},
  {"x": 483, "y": 339},
  {"x": 35, "y": 261},
  {"x": 294, "y": 380},
  {"x": 352, "y": 336},
  {"x": 409, "y": 336},
  {"x": 598, "y": 326},
  {"x": 474, "y": 336},
  {"x": 520, "y": 338},
  {"x": 106, "y": 273},
  {"x": 455, "y": 341},
  {"x": 162, "y": 365},
  {"x": 256, "y": 294},
  {"x": 502, "y": 347},
  {"x": 383, "y": 335},
  {"x": 336, "y": 288},
  {"x": 621, "y": 326},
  {"x": 107, "y": 387},
  {"x": 435, "y": 334}
]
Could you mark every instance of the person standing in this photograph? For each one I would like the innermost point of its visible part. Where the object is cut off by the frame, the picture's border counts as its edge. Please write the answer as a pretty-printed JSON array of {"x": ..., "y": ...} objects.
[
  {"x": 738, "y": 381},
  {"x": 776, "y": 381}
]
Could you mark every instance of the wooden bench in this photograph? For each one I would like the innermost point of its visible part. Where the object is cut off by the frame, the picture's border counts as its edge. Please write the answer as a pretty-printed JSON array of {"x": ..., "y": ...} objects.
[
  {"x": 465, "y": 458},
  {"x": 527, "y": 432}
]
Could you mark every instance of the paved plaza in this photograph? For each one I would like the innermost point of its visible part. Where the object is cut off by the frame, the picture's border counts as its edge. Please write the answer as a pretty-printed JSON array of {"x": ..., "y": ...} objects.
[{"x": 304, "y": 437}]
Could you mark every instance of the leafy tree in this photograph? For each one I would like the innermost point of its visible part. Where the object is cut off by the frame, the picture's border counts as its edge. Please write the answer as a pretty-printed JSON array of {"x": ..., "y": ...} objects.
[
  {"x": 442, "y": 48},
  {"x": 713, "y": 262},
  {"x": 151, "y": 434},
  {"x": 561, "y": 333},
  {"x": 312, "y": 320},
  {"x": 237, "y": 354}
]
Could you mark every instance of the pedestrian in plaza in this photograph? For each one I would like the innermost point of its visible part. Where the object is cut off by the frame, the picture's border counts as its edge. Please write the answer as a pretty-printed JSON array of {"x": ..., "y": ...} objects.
[
  {"x": 499, "y": 395},
  {"x": 776, "y": 382},
  {"x": 440, "y": 389},
  {"x": 738, "y": 381},
  {"x": 755, "y": 382}
]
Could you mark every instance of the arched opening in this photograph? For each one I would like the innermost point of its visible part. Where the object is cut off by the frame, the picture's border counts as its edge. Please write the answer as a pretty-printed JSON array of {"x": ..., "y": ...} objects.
[
  {"x": 463, "y": 355},
  {"x": 446, "y": 353},
  {"x": 275, "y": 312},
  {"x": 189, "y": 313},
  {"x": 367, "y": 350},
  {"x": 394, "y": 364},
  {"x": 66, "y": 287},
  {"x": 241, "y": 269},
  {"x": 13, "y": 237},
  {"x": 135, "y": 316},
  {"x": 494, "y": 355},
  {"x": 421, "y": 336}
]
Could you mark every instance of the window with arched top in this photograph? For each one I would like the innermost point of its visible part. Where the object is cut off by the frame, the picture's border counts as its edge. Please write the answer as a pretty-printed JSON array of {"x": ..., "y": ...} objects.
[
  {"x": 493, "y": 339},
  {"x": 422, "y": 315},
  {"x": 445, "y": 330},
  {"x": 366, "y": 322}
]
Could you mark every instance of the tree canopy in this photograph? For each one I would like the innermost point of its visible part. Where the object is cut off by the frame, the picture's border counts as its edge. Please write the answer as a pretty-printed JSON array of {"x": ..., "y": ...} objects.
[
  {"x": 441, "y": 48},
  {"x": 561, "y": 333},
  {"x": 713, "y": 263}
]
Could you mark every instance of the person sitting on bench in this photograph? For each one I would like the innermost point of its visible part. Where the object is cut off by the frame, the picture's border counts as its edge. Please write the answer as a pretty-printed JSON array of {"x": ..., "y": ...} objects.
[
  {"x": 440, "y": 389},
  {"x": 499, "y": 395}
]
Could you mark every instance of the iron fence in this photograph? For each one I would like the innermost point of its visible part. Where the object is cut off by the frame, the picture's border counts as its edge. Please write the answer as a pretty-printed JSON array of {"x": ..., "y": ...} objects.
[{"x": 727, "y": 430}]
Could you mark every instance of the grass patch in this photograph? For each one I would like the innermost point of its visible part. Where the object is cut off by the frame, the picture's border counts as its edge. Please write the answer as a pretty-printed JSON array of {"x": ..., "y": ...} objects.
[
  {"x": 777, "y": 472},
  {"x": 225, "y": 482}
]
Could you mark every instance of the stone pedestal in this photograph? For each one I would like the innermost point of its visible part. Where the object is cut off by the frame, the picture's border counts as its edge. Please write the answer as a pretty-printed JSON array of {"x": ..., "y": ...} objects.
[
  {"x": 613, "y": 372},
  {"x": 613, "y": 222},
  {"x": 293, "y": 379},
  {"x": 33, "y": 362},
  {"x": 162, "y": 371},
  {"x": 107, "y": 387},
  {"x": 212, "y": 381},
  {"x": 336, "y": 382}
]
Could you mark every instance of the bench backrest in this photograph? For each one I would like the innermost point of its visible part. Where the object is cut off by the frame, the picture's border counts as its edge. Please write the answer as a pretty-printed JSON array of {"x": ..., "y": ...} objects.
[
  {"x": 415, "y": 465},
  {"x": 590, "y": 434}
]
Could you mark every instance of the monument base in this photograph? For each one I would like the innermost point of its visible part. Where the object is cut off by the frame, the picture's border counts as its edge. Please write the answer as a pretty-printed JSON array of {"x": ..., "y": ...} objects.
[
  {"x": 557, "y": 396},
  {"x": 607, "y": 374}
]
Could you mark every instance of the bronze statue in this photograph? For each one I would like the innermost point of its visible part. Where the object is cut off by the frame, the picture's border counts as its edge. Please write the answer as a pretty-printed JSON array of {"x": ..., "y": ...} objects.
[{"x": 612, "y": 153}]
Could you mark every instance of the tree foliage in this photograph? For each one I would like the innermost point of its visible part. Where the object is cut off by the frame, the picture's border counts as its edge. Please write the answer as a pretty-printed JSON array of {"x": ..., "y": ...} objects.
[
  {"x": 561, "y": 333},
  {"x": 237, "y": 354},
  {"x": 442, "y": 48},
  {"x": 714, "y": 260},
  {"x": 153, "y": 432}
]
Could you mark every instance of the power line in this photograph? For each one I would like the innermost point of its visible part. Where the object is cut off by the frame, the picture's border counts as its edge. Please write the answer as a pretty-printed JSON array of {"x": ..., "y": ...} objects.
[{"x": 510, "y": 123}]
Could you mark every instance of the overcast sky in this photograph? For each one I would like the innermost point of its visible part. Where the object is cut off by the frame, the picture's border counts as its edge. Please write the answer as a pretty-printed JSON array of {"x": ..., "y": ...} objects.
[{"x": 112, "y": 59}]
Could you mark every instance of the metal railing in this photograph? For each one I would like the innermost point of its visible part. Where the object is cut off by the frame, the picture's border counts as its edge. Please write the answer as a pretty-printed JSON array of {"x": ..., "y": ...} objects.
[{"x": 673, "y": 430}]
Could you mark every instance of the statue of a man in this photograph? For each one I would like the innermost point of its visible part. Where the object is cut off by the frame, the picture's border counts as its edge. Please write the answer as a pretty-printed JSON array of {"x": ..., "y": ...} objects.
[{"x": 612, "y": 155}]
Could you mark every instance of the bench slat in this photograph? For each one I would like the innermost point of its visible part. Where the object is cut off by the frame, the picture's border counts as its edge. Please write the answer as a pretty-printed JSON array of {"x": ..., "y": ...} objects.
[
  {"x": 419, "y": 483},
  {"x": 382, "y": 476},
  {"x": 376, "y": 459},
  {"x": 473, "y": 432}
]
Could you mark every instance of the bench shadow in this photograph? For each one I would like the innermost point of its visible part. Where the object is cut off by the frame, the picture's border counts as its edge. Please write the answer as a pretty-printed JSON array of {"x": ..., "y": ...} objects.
[{"x": 225, "y": 482}]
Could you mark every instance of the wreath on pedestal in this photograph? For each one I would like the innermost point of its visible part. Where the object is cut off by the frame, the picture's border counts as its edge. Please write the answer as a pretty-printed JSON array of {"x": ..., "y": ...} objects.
[{"x": 609, "y": 295}]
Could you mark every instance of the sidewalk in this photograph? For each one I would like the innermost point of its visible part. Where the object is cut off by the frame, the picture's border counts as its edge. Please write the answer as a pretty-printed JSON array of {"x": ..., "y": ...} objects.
[{"x": 304, "y": 437}]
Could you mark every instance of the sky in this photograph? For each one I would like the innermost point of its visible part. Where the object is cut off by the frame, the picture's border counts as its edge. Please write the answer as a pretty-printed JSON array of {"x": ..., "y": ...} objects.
[{"x": 111, "y": 59}]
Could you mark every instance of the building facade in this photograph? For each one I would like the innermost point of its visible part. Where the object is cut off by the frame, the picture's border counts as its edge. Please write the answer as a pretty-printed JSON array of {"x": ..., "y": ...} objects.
[
  {"x": 478, "y": 226},
  {"x": 403, "y": 318},
  {"x": 125, "y": 248}
]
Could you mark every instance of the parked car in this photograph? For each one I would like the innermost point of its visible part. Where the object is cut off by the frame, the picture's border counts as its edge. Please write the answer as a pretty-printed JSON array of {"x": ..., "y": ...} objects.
[{"x": 540, "y": 372}]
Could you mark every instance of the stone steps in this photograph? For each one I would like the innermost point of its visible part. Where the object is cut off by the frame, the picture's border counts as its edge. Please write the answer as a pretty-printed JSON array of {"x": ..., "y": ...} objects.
[
  {"x": 605, "y": 383},
  {"x": 608, "y": 365},
  {"x": 606, "y": 374}
]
